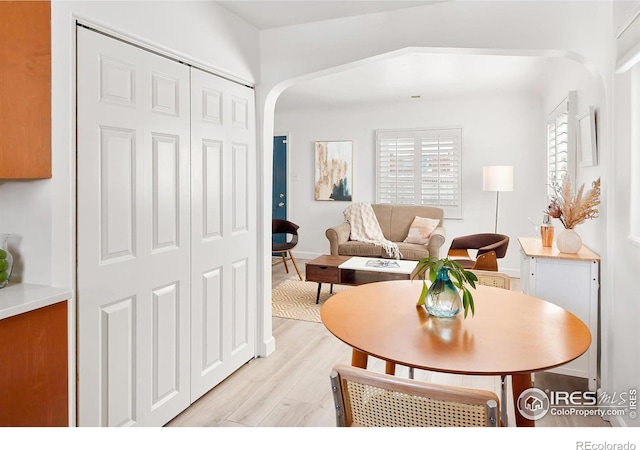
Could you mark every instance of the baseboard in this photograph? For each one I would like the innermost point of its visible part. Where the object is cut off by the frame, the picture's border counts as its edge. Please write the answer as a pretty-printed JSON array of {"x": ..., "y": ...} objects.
[
  {"x": 308, "y": 255},
  {"x": 267, "y": 347}
]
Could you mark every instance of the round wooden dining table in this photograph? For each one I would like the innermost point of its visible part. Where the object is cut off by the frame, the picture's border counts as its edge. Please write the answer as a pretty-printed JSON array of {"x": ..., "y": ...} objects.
[{"x": 511, "y": 334}]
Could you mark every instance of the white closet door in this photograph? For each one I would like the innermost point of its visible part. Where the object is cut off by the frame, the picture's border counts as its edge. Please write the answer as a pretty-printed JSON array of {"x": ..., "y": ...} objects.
[
  {"x": 133, "y": 234},
  {"x": 223, "y": 224}
]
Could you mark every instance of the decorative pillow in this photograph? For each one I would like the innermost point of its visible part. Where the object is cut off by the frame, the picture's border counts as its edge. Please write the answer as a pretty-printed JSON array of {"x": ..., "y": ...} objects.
[{"x": 420, "y": 230}]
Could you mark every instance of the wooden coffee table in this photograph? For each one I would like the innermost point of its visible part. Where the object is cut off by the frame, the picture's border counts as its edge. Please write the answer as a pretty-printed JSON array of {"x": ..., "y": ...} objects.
[{"x": 354, "y": 271}]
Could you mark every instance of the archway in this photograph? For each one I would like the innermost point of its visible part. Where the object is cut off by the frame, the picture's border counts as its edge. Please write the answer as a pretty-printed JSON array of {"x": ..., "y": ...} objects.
[{"x": 274, "y": 93}]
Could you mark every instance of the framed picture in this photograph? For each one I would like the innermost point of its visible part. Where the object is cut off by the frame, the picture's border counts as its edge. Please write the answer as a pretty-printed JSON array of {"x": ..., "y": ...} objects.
[
  {"x": 334, "y": 171},
  {"x": 587, "y": 145}
]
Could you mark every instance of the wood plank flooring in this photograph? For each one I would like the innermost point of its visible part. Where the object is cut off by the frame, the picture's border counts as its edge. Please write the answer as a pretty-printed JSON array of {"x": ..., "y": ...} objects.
[{"x": 290, "y": 388}]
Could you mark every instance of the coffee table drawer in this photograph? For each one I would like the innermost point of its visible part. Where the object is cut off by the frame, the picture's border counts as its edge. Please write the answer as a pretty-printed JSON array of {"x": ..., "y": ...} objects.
[{"x": 323, "y": 274}]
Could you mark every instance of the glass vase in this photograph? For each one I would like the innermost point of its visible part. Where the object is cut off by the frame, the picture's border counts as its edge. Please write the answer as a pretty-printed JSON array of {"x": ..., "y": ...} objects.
[
  {"x": 443, "y": 299},
  {"x": 6, "y": 260}
]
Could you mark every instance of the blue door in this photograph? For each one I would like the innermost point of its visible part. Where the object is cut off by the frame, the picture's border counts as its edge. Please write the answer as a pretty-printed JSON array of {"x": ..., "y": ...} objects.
[{"x": 279, "y": 200}]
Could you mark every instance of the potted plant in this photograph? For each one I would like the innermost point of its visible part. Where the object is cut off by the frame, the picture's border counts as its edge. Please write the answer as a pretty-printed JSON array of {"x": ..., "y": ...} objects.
[
  {"x": 447, "y": 276},
  {"x": 573, "y": 210}
]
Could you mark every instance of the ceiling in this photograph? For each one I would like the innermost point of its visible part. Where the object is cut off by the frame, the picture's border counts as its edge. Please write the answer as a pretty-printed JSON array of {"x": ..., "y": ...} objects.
[
  {"x": 422, "y": 75},
  {"x": 268, "y": 14}
]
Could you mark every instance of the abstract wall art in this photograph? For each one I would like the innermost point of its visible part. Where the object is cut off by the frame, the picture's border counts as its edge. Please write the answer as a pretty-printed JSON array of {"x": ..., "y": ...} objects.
[{"x": 334, "y": 171}]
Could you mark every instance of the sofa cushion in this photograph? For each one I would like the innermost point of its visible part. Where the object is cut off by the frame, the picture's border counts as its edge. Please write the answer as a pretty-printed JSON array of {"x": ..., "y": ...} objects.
[
  {"x": 413, "y": 252},
  {"x": 402, "y": 216},
  {"x": 421, "y": 229},
  {"x": 383, "y": 214},
  {"x": 357, "y": 248}
]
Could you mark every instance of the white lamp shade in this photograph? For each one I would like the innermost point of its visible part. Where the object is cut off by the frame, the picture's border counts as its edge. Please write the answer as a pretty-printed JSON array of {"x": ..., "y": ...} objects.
[{"x": 497, "y": 178}]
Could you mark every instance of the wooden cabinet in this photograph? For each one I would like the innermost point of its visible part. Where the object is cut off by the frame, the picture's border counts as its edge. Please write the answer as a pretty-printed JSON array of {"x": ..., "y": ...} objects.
[
  {"x": 572, "y": 282},
  {"x": 34, "y": 375},
  {"x": 25, "y": 89}
]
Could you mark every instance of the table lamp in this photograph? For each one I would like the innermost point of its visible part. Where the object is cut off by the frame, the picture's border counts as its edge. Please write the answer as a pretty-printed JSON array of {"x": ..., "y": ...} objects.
[{"x": 498, "y": 179}]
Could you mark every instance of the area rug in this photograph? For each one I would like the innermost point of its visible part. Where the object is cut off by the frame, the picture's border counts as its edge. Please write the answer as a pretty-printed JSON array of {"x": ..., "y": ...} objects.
[{"x": 295, "y": 299}]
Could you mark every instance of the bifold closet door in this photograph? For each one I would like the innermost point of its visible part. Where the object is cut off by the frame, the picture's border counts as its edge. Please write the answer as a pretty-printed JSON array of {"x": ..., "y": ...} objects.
[
  {"x": 133, "y": 191},
  {"x": 223, "y": 223}
]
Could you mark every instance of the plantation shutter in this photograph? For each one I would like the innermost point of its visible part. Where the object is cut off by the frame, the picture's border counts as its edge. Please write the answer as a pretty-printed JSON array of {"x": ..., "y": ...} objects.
[
  {"x": 420, "y": 167},
  {"x": 557, "y": 144},
  {"x": 560, "y": 143}
]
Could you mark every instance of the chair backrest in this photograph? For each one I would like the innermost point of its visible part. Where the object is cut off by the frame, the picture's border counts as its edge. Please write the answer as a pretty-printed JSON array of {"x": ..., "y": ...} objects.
[
  {"x": 483, "y": 242},
  {"x": 495, "y": 279},
  {"x": 486, "y": 261},
  {"x": 281, "y": 226},
  {"x": 366, "y": 398}
]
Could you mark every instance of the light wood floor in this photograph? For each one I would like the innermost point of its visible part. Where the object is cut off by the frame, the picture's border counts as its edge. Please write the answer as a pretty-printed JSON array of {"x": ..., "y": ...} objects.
[{"x": 290, "y": 388}]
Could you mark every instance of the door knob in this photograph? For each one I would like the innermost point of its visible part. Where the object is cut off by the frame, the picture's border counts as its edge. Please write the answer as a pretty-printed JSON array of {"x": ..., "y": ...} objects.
[
  {"x": 281, "y": 204},
  {"x": 281, "y": 195}
]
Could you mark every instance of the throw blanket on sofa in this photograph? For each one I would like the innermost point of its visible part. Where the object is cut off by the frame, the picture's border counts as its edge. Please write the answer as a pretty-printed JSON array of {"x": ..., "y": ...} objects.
[{"x": 365, "y": 228}]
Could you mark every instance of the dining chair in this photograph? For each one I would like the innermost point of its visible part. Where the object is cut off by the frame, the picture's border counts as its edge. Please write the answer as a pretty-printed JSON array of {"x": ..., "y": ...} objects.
[
  {"x": 288, "y": 229},
  {"x": 490, "y": 247},
  {"x": 492, "y": 278},
  {"x": 371, "y": 399},
  {"x": 502, "y": 281}
]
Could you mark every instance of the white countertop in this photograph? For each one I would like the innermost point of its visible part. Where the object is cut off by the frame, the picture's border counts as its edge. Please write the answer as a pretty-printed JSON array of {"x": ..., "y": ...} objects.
[{"x": 20, "y": 298}]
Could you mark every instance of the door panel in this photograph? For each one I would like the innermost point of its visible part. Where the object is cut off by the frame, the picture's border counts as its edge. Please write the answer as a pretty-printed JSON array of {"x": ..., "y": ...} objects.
[
  {"x": 117, "y": 338},
  {"x": 133, "y": 234},
  {"x": 223, "y": 227},
  {"x": 279, "y": 187},
  {"x": 279, "y": 203},
  {"x": 166, "y": 233}
]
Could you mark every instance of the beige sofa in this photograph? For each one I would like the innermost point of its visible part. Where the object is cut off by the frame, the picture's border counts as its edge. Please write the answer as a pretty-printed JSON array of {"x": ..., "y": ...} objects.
[{"x": 394, "y": 221}]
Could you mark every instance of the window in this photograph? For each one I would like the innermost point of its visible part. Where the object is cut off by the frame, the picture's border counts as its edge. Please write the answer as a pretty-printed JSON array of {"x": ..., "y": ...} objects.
[
  {"x": 420, "y": 167},
  {"x": 560, "y": 143}
]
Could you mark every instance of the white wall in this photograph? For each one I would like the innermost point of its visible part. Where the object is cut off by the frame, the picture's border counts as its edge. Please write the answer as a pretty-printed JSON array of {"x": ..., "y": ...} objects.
[
  {"x": 573, "y": 76},
  {"x": 620, "y": 307},
  {"x": 498, "y": 129},
  {"x": 622, "y": 312},
  {"x": 40, "y": 214}
]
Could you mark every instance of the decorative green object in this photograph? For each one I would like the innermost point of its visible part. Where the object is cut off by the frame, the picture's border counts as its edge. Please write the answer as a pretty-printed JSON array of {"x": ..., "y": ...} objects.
[
  {"x": 6, "y": 261},
  {"x": 445, "y": 275}
]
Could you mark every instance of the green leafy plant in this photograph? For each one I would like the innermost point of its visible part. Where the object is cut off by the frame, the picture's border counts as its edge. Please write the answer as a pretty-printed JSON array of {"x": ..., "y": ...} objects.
[{"x": 461, "y": 278}]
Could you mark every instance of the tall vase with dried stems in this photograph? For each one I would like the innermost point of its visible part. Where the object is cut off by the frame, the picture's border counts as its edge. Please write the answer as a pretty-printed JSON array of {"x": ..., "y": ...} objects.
[{"x": 571, "y": 211}]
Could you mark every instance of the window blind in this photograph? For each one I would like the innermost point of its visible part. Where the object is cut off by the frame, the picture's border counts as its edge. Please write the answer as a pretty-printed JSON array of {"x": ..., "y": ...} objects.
[
  {"x": 420, "y": 167},
  {"x": 557, "y": 148},
  {"x": 560, "y": 143}
]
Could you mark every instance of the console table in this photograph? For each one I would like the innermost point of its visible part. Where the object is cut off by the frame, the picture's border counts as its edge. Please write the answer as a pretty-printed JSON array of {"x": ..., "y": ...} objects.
[{"x": 571, "y": 281}]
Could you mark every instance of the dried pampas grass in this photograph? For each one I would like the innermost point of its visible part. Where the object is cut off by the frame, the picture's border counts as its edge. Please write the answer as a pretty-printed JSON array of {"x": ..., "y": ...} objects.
[{"x": 572, "y": 211}]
